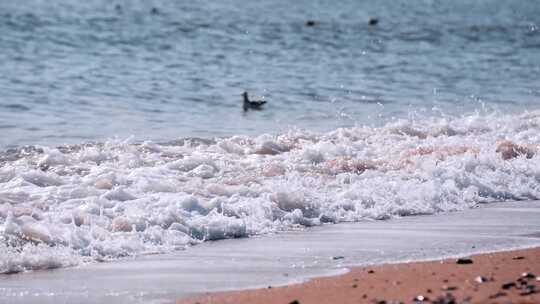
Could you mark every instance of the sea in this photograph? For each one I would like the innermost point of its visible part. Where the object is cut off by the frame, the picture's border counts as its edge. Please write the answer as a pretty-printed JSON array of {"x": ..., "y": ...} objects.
[{"x": 123, "y": 131}]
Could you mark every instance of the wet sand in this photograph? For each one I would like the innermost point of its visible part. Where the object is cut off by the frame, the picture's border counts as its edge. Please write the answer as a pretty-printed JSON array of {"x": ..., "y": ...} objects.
[{"x": 504, "y": 277}]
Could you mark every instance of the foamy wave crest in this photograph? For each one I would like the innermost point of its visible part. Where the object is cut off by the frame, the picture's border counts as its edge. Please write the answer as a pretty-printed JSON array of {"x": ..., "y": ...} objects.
[{"x": 67, "y": 205}]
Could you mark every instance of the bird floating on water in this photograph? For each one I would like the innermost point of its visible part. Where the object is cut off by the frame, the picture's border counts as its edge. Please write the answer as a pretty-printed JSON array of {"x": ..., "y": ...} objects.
[
  {"x": 252, "y": 104},
  {"x": 311, "y": 23}
]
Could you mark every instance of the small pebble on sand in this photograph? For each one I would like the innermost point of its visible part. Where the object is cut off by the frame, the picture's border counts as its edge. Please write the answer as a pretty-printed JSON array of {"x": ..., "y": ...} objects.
[
  {"x": 508, "y": 285},
  {"x": 527, "y": 275},
  {"x": 463, "y": 261},
  {"x": 420, "y": 298},
  {"x": 480, "y": 279},
  {"x": 449, "y": 288}
]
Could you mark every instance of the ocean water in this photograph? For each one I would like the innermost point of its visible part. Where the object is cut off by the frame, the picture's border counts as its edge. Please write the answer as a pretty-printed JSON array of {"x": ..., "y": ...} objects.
[
  {"x": 73, "y": 72},
  {"x": 123, "y": 131}
]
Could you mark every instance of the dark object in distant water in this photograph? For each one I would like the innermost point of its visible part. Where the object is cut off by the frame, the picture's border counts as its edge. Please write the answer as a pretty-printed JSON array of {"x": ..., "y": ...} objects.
[
  {"x": 373, "y": 21},
  {"x": 252, "y": 104},
  {"x": 154, "y": 11},
  {"x": 311, "y": 23},
  {"x": 118, "y": 8}
]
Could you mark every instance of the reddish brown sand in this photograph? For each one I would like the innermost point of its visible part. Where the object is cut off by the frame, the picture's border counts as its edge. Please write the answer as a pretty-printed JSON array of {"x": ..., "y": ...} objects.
[{"x": 441, "y": 281}]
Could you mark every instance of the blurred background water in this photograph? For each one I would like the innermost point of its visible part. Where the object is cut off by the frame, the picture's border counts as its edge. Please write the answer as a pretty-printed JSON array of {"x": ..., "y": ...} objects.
[{"x": 78, "y": 71}]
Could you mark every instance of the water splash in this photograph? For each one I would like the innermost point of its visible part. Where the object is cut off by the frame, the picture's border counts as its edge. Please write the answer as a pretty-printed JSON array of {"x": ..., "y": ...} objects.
[{"x": 74, "y": 204}]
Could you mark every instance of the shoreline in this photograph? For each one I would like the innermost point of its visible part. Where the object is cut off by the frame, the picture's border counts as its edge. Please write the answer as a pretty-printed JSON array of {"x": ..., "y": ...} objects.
[
  {"x": 500, "y": 277},
  {"x": 282, "y": 259}
]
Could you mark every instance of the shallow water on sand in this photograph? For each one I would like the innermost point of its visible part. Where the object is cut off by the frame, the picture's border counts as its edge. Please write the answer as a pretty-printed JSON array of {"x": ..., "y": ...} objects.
[{"x": 280, "y": 258}]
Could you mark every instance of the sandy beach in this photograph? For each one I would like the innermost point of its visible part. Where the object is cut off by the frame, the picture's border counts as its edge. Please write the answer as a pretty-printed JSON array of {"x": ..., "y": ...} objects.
[{"x": 504, "y": 277}]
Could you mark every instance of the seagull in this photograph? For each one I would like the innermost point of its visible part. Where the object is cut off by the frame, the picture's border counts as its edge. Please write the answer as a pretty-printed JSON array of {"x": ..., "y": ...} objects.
[{"x": 252, "y": 104}]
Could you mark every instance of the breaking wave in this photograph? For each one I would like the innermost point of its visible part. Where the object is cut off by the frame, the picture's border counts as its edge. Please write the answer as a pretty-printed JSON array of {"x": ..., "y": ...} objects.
[{"x": 74, "y": 204}]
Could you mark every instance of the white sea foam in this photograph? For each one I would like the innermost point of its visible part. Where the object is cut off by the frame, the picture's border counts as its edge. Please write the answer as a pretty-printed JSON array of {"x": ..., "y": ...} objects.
[{"x": 63, "y": 206}]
